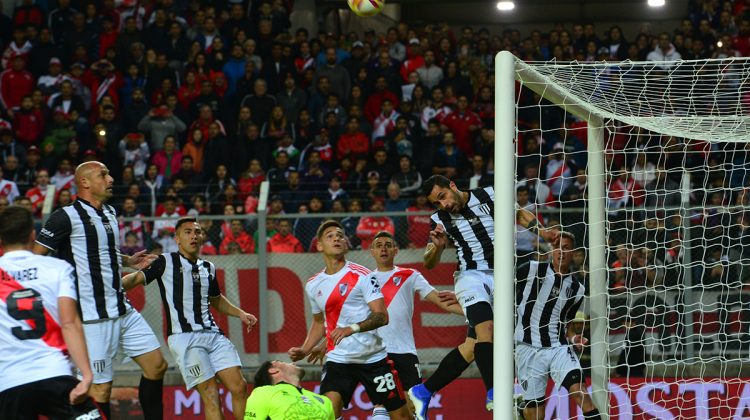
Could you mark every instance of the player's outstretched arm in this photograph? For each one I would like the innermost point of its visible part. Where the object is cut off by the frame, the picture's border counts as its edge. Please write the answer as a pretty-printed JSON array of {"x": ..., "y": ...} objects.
[
  {"x": 445, "y": 300},
  {"x": 438, "y": 242},
  {"x": 529, "y": 221},
  {"x": 72, "y": 332},
  {"x": 316, "y": 333},
  {"x": 133, "y": 280},
  {"x": 223, "y": 305},
  {"x": 377, "y": 318},
  {"x": 139, "y": 260}
]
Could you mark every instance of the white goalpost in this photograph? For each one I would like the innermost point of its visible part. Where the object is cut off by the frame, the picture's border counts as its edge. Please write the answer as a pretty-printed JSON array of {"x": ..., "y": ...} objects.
[{"x": 647, "y": 164}]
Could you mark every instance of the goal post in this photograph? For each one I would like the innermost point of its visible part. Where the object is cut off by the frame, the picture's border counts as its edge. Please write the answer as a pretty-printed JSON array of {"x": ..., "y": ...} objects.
[{"x": 626, "y": 123}]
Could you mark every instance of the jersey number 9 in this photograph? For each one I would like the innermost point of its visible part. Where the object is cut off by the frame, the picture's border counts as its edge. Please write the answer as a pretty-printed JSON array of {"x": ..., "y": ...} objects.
[{"x": 25, "y": 305}]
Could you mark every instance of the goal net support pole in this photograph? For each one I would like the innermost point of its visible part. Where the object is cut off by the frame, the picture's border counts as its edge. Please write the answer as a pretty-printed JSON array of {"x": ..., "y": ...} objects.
[{"x": 504, "y": 303}]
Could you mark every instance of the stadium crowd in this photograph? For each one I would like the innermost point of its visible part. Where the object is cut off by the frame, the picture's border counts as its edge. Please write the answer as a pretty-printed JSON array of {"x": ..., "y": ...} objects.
[{"x": 192, "y": 104}]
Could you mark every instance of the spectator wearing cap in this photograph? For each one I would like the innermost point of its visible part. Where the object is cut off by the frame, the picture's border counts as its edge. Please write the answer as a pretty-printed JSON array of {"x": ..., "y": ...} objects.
[
  {"x": 28, "y": 122},
  {"x": 32, "y": 165},
  {"x": 15, "y": 83},
  {"x": 414, "y": 58},
  {"x": 50, "y": 83},
  {"x": 291, "y": 98},
  {"x": 234, "y": 68},
  {"x": 337, "y": 75},
  {"x": 159, "y": 124},
  {"x": 358, "y": 59}
]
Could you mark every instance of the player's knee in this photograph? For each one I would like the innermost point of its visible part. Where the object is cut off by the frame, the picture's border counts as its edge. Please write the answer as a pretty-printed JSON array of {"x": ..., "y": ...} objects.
[
  {"x": 160, "y": 368},
  {"x": 484, "y": 331},
  {"x": 572, "y": 382},
  {"x": 209, "y": 392},
  {"x": 238, "y": 387},
  {"x": 101, "y": 392}
]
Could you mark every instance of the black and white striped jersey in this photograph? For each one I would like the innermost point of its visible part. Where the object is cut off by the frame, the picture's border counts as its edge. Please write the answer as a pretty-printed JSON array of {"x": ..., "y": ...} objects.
[
  {"x": 88, "y": 239},
  {"x": 185, "y": 287},
  {"x": 545, "y": 302},
  {"x": 472, "y": 230}
]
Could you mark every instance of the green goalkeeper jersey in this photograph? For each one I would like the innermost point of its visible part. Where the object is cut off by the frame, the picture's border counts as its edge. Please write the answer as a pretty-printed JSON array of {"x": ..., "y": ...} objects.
[{"x": 284, "y": 401}]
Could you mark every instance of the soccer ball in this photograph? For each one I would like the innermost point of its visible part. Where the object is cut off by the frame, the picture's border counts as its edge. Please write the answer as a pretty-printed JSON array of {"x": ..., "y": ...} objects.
[{"x": 366, "y": 7}]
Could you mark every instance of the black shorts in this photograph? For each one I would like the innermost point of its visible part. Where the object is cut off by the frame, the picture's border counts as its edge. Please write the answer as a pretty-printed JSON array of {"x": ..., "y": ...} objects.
[
  {"x": 48, "y": 397},
  {"x": 407, "y": 366},
  {"x": 379, "y": 379}
]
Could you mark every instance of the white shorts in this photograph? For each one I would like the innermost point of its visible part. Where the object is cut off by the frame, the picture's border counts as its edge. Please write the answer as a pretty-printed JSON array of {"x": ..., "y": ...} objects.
[
  {"x": 199, "y": 355},
  {"x": 107, "y": 340},
  {"x": 534, "y": 364},
  {"x": 474, "y": 286}
]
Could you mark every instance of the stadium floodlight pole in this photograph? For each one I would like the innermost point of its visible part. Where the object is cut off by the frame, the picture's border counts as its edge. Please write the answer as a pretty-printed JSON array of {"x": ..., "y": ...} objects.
[
  {"x": 597, "y": 251},
  {"x": 505, "y": 222}
]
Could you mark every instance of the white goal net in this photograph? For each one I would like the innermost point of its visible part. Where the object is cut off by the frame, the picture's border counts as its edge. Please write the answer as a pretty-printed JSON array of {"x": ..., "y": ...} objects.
[{"x": 648, "y": 165}]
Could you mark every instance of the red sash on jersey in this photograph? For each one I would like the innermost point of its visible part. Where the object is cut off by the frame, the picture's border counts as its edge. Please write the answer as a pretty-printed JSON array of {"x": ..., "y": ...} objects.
[
  {"x": 53, "y": 334},
  {"x": 393, "y": 285},
  {"x": 335, "y": 303}
]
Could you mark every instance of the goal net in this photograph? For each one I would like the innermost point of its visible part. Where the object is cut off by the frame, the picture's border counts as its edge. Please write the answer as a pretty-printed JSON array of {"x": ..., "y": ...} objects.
[{"x": 648, "y": 165}]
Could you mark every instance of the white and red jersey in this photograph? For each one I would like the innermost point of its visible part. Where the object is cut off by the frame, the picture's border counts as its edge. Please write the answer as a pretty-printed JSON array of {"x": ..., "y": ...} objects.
[
  {"x": 398, "y": 287},
  {"x": 37, "y": 196},
  {"x": 64, "y": 181},
  {"x": 342, "y": 298},
  {"x": 31, "y": 341},
  {"x": 9, "y": 190}
]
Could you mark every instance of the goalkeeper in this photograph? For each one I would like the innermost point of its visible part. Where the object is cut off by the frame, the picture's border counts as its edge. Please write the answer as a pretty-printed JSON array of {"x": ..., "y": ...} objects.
[
  {"x": 278, "y": 394},
  {"x": 547, "y": 299}
]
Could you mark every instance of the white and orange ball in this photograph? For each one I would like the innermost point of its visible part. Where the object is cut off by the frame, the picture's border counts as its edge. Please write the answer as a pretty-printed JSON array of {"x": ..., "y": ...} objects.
[{"x": 366, "y": 8}]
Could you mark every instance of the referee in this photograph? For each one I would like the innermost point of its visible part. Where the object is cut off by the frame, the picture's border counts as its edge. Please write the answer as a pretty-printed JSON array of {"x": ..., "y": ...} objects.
[
  {"x": 85, "y": 234},
  {"x": 188, "y": 285},
  {"x": 279, "y": 395}
]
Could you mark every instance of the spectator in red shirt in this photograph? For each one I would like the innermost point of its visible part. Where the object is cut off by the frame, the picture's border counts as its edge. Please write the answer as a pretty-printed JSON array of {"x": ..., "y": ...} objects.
[
  {"x": 374, "y": 102},
  {"x": 463, "y": 123},
  {"x": 237, "y": 235},
  {"x": 283, "y": 240},
  {"x": 419, "y": 225},
  {"x": 372, "y": 224},
  {"x": 38, "y": 193},
  {"x": 28, "y": 122},
  {"x": 15, "y": 83}
]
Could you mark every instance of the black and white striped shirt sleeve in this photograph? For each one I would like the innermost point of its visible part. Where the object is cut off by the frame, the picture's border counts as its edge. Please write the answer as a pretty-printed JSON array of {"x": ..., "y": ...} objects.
[
  {"x": 55, "y": 231},
  {"x": 155, "y": 270}
]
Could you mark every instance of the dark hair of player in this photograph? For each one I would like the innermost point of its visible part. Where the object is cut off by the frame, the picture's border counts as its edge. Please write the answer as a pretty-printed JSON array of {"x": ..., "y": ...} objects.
[
  {"x": 325, "y": 225},
  {"x": 182, "y": 220},
  {"x": 16, "y": 224},
  {"x": 262, "y": 377},
  {"x": 438, "y": 180}
]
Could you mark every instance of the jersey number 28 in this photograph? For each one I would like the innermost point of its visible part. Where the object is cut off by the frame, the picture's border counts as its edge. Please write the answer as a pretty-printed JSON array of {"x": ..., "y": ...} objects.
[
  {"x": 25, "y": 305},
  {"x": 385, "y": 383}
]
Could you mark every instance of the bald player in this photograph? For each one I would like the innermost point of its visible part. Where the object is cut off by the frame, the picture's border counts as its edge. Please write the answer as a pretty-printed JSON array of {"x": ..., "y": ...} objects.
[{"x": 85, "y": 234}]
